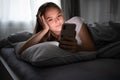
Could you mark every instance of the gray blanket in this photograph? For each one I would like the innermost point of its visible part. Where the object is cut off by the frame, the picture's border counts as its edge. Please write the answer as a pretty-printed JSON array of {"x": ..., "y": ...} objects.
[
  {"x": 110, "y": 51},
  {"x": 103, "y": 35}
]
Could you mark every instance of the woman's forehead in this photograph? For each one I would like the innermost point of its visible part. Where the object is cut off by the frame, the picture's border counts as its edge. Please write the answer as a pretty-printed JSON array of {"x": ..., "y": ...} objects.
[{"x": 52, "y": 12}]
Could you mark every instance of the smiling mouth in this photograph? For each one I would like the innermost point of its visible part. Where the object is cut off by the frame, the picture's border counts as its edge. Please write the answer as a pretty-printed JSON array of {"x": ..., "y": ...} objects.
[{"x": 58, "y": 26}]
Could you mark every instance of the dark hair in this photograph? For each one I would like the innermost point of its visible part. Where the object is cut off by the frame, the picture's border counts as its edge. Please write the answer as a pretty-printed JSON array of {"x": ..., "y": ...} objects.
[{"x": 41, "y": 11}]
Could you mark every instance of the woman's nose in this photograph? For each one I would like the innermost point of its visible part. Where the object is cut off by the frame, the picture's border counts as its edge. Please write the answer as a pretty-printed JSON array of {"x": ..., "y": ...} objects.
[{"x": 56, "y": 20}]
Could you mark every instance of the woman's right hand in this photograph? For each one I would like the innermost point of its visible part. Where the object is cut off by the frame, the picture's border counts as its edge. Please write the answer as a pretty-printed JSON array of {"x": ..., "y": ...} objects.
[
  {"x": 36, "y": 38},
  {"x": 44, "y": 23}
]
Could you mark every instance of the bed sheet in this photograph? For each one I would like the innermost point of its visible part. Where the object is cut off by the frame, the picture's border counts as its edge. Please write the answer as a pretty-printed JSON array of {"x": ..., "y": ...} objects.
[{"x": 98, "y": 69}]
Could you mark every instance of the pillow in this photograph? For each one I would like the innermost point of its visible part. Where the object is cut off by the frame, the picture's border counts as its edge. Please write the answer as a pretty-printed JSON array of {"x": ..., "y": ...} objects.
[
  {"x": 49, "y": 54},
  {"x": 13, "y": 39},
  {"x": 19, "y": 36}
]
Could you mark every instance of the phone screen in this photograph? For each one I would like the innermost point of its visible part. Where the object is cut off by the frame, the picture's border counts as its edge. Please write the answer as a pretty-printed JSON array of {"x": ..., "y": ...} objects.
[{"x": 68, "y": 29}]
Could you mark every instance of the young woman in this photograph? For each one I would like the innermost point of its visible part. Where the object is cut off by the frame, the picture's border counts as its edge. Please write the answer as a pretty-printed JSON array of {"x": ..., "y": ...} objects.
[{"x": 48, "y": 28}]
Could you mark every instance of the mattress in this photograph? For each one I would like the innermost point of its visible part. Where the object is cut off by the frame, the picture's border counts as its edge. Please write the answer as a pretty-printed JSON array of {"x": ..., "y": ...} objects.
[{"x": 98, "y": 69}]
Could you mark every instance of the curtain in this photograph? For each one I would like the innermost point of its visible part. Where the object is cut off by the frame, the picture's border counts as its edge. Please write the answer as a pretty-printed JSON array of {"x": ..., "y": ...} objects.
[
  {"x": 12, "y": 10},
  {"x": 115, "y": 10},
  {"x": 100, "y": 11},
  {"x": 15, "y": 16},
  {"x": 70, "y": 8}
]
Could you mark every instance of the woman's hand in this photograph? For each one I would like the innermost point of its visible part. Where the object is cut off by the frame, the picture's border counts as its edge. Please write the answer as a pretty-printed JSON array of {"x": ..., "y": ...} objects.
[
  {"x": 69, "y": 44},
  {"x": 36, "y": 38},
  {"x": 44, "y": 23}
]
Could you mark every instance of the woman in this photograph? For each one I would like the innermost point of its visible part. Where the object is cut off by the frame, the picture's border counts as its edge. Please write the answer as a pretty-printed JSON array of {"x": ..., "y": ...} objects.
[{"x": 48, "y": 28}]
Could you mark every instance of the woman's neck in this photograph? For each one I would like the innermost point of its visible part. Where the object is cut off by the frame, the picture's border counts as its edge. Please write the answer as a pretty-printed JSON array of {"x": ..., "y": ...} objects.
[{"x": 56, "y": 35}]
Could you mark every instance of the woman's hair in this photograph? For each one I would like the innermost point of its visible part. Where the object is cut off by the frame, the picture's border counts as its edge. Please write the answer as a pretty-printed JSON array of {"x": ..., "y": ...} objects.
[{"x": 41, "y": 11}]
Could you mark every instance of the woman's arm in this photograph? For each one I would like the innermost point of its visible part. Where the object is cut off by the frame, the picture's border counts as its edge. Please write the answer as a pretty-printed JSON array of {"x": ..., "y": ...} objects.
[
  {"x": 87, "y": 43},
  {"x": 70, "y": 43},
  {"x": 35, "y": 39}
]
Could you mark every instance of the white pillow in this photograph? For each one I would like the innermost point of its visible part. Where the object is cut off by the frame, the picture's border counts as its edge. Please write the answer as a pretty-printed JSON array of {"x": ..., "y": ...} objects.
[{"x": 49, "y": 54}]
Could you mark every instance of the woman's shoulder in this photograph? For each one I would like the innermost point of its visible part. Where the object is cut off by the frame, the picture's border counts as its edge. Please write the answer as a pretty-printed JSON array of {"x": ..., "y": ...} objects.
[{"x": 75, "y": 19}]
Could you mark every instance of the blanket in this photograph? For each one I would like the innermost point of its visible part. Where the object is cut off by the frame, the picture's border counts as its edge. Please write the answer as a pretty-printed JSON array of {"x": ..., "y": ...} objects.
[
  {"x": 103, "y": 35},
  {"x": 110, "y": 51}
]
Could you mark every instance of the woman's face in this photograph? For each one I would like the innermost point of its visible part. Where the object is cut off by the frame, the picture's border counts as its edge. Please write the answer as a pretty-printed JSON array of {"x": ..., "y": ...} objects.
[{"x": 54, "y": 19}]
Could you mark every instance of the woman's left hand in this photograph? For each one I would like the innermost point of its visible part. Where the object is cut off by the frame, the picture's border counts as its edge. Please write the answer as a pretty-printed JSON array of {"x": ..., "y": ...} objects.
[{"x": 69, "y": 44}]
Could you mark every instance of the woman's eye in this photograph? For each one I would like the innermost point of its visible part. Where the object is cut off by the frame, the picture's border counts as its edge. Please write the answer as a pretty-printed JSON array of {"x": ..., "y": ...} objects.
[
  {"x": 49, "y": 19},
  {"x": 59, "y": 15}
]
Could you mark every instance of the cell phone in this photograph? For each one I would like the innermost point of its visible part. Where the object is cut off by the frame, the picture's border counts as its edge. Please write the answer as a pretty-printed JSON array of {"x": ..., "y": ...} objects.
[{"x": 68, "y": 29}]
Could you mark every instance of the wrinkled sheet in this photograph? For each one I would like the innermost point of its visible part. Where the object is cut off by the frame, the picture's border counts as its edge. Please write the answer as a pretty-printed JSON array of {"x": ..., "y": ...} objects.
[{"x": 97, "y": 69}]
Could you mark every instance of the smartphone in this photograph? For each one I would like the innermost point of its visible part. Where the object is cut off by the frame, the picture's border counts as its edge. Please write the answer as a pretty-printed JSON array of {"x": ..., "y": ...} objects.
[{"x": 68, "y": 29}]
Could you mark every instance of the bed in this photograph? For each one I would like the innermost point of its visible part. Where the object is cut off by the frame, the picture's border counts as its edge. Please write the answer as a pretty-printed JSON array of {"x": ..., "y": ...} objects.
[{"x": 105, "y": 65}]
